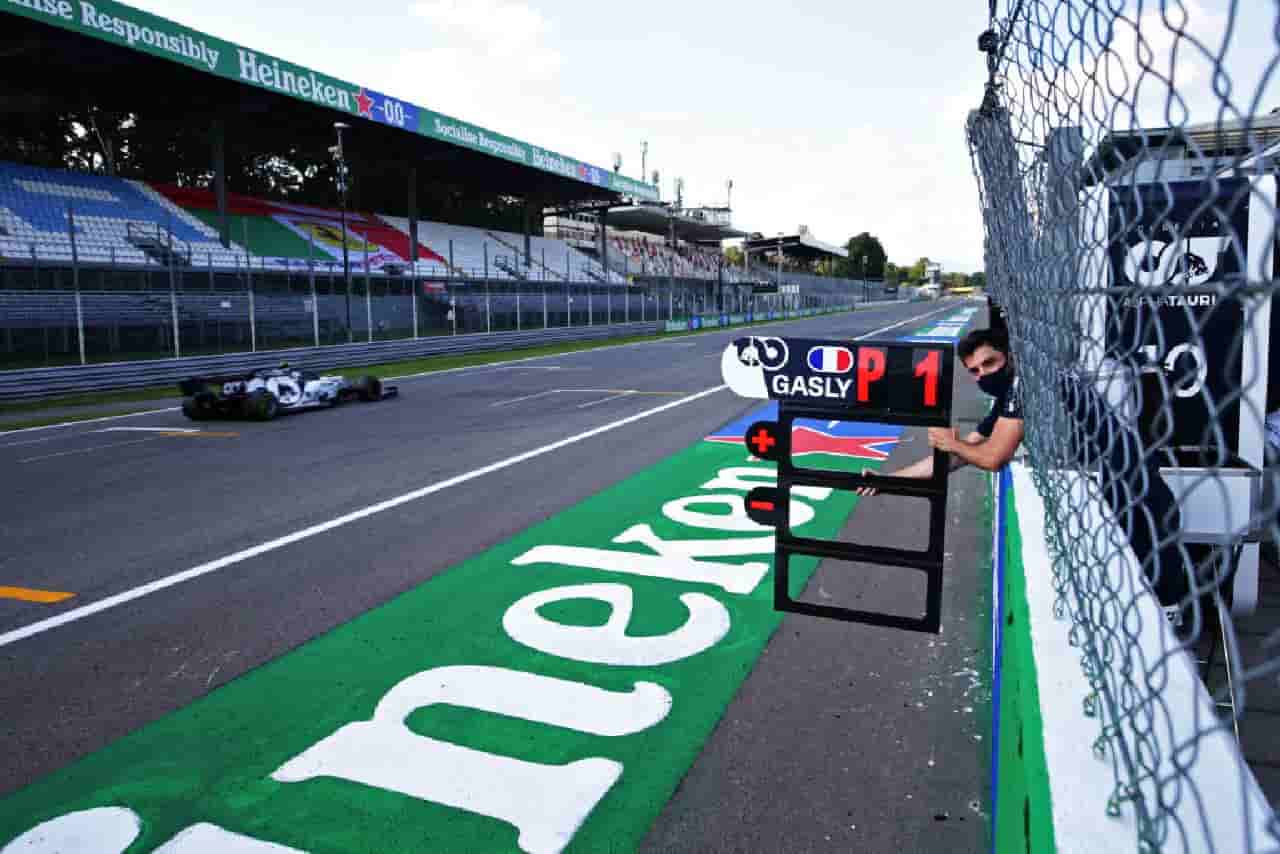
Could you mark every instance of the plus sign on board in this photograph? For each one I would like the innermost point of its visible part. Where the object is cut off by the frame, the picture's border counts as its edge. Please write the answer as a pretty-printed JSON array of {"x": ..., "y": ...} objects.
[{"x": 762, "y": 440}]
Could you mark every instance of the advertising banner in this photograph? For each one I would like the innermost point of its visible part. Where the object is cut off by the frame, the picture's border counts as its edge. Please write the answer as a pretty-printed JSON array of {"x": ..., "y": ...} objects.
[
  {"x": 123, "y": 25},
  {"x": 1175, "y": 247}
]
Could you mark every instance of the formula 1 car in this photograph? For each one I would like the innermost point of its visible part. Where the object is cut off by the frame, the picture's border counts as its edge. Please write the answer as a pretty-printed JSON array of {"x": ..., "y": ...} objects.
[{"x": 262, "y": 395}]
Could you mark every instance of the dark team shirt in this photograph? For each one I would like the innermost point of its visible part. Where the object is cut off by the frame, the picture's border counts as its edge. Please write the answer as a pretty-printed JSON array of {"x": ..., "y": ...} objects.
[{"x": 1007, "y": 405}]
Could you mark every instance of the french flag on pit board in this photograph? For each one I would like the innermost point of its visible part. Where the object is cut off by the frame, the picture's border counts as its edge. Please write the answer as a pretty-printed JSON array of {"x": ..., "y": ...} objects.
[{"x": 830, "y": 360}]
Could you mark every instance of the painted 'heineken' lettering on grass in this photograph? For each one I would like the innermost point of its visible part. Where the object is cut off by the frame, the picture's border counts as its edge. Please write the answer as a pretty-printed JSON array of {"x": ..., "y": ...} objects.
[{"x": 546, "y": 695}]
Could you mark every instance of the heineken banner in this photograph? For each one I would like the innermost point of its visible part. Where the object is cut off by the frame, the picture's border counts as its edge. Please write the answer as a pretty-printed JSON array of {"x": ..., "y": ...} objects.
[{"x": 123, "y": 25}]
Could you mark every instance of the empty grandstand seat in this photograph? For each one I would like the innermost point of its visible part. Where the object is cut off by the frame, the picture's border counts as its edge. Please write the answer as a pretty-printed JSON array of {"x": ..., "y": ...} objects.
[{"x": 38, "y": 207}]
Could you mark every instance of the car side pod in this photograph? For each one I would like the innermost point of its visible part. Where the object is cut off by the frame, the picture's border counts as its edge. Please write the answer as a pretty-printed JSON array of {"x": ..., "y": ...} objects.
[{"x": 886, "y": 382}]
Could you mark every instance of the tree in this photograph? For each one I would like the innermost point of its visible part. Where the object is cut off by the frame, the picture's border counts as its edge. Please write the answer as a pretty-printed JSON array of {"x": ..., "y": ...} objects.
[
  {"x": 865, "y": 245},
  {"x": 978, "y": 279},
  {"x": 733, "y": 256},
  {"x": 920, "y": 269}
]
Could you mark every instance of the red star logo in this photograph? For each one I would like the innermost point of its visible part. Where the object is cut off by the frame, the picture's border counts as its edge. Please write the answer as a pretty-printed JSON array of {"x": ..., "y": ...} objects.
[{"x": 364, "y": 104}]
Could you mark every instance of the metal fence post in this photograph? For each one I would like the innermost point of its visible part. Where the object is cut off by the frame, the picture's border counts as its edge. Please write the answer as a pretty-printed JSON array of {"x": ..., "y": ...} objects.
[
  {"x": 253, "y": 311},
  {"x": 568, "y": 303},
  {"x": 518, "y": 303},
  {"x": 173, "y": 301},
  {"x": 413, "y": 293},
  {"x": 488, "y": 309},
  {"x": 75, "y": 278},
  {"x": 368, "y": 297},
  {"x": 544, "y": 305},
  {"x": 591, "y": 315},
  {"x": 315, "y": 302}
]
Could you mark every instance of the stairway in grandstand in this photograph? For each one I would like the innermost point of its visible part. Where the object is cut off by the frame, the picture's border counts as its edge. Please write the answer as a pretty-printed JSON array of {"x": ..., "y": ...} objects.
[{"x": 551, "y": 257}]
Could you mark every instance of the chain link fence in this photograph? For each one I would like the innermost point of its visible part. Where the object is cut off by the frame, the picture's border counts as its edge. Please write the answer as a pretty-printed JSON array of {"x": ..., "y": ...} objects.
[{"x": 1126, "y": 161}]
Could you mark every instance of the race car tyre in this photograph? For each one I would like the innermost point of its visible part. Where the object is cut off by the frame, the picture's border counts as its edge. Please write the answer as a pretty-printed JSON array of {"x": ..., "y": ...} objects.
[
  {"x": 262, "y": 406},
  {"x": 369, "y": 389},
  {"x": 198, "y": 408}
]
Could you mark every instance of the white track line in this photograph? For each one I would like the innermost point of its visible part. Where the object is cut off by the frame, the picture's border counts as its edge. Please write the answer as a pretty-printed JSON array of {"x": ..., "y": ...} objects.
[
  {"x": 148, "y": 430},
  {"x": 83, "y": 611},
  {"x": 654, "y": 342},
  {"x": 903, "y": 322},
  {"x": 88, "y": 421},
  {"x": 57, "y": 438},
  {"x": 526, "y": 397},
  {"x": 104, "y": 430},
  {"x": 446, "y": 371},
  {"x": 605, "y": 399},
  {"x": 89, "y": 450},
  {"x": 130, "y": 595}
]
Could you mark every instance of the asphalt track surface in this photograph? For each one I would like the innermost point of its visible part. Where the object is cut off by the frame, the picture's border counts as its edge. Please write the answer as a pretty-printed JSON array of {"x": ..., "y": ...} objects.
[{"x": 99, "y": 511}]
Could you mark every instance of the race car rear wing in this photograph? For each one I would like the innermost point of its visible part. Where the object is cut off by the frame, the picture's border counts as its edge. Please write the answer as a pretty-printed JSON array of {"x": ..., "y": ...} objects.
[{"x": 195, "y": 385}]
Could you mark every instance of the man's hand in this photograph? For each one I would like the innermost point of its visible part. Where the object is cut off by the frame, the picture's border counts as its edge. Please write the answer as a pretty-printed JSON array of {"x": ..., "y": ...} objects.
[
  {"x": 944, "y": 439},
  {"x": 866, "y": 491}
]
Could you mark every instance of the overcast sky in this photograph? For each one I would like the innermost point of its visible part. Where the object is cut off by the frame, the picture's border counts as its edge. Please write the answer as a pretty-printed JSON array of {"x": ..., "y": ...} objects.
[{"x": 845, "y": 117}]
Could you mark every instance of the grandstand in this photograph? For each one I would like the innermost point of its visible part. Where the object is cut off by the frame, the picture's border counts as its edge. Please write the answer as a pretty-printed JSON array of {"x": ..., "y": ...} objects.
[
  {"x": 652, "y": 240},
  {"x": 119, "y": 221},
  {"x": 150, "y": 234}
]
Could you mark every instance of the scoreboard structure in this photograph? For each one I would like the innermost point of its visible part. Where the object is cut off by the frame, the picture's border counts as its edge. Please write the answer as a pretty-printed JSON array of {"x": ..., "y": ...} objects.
[{"x": 870, "y": 381}]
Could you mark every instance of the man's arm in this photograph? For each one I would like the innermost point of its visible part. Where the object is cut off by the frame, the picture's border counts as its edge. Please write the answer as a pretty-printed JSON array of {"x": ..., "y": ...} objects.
[
  {"x": 923, "y": 468},
  {"x": 992, "y": 454}
]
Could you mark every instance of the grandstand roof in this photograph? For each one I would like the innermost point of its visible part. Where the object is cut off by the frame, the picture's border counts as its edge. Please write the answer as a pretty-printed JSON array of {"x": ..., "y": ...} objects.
[
  {"x": 658, "y": 219},
  {"x": 132, "y": 60},
  {"x": 798, "y": 245}
]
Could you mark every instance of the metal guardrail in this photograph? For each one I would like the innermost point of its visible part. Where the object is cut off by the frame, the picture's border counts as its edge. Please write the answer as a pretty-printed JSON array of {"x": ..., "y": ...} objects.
[{"x": 35, "y": 383}]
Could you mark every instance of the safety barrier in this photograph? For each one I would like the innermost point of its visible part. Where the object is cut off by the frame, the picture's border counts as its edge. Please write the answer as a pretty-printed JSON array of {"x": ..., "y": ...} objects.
[{"x": 50, "y": 382}]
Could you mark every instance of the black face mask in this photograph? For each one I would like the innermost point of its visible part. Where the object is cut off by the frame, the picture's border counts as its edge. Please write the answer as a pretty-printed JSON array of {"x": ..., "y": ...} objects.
[{"x": 997, "y": 382}]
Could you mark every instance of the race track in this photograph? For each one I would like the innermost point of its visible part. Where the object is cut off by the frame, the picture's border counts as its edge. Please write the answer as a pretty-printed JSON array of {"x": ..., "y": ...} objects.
[{"x": 195, "y": 557}]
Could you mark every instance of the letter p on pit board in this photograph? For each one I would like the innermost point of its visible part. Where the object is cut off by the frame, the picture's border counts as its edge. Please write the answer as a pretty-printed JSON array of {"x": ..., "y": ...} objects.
[{"x": 885, "y": 382}]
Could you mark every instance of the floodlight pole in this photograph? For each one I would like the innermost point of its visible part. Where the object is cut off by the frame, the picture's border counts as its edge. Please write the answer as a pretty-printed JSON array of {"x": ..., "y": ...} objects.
[
  {"x": 342, "y": 190},
  {"x": 781, "y": 297},
  {"x": 671, "y": 262}
]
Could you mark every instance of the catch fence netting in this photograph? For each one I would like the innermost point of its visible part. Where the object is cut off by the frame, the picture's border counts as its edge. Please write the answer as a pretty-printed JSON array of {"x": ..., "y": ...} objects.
[{"x": 1126, "y": 156}]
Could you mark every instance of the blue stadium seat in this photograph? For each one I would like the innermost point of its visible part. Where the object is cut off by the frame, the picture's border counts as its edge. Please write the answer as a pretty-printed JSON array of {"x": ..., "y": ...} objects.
[{"x": 34, "y": 205}]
